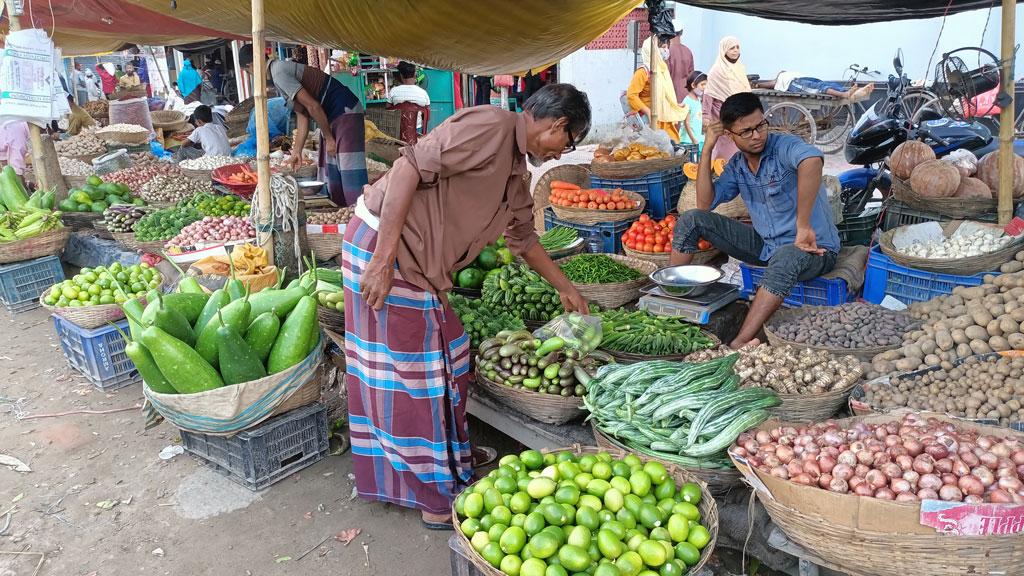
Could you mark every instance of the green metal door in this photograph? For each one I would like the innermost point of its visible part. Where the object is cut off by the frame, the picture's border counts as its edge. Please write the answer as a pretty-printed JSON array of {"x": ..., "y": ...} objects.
[{"x": 440, "y": 88}]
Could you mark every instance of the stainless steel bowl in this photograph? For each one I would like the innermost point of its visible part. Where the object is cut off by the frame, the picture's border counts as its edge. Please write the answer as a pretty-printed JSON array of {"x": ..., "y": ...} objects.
[{"x": 687, "y": 280}]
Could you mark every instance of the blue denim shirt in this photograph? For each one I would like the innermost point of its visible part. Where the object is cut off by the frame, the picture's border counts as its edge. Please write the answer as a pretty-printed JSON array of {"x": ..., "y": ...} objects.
[{"x": 771, "y": 194}]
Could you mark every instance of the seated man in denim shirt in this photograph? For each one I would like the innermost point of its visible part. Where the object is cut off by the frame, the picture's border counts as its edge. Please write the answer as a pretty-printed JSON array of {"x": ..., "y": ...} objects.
[{"x": 779, "y": 178}]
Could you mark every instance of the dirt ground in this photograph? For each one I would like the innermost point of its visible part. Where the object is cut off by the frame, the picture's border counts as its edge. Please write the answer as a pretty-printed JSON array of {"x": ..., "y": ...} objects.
[{"x": 99, "y": 501}]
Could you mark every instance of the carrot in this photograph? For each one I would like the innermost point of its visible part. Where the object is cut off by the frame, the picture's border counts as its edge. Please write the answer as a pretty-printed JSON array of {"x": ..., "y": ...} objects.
[{"x": 563, "y": 185}]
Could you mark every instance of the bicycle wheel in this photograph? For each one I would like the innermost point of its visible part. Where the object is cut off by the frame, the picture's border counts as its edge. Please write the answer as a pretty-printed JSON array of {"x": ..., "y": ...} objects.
[
  {"x": 919, "y": 99},
  {"x": 834, "y": 124},
  {"x": 790, "y": 118}
]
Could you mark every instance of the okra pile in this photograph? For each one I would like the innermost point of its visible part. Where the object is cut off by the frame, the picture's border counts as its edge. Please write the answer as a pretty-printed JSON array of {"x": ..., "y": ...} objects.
[
  {"x": 517, "y": 359},
  {"x": 190, "y": 341},
  {"x": 685, "y": 413},
  {"x": 642, "y": 333}
]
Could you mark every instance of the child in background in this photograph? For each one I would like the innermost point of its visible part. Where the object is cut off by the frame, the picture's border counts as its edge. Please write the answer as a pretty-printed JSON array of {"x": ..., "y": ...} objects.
[{"x": 694, "y": 124}]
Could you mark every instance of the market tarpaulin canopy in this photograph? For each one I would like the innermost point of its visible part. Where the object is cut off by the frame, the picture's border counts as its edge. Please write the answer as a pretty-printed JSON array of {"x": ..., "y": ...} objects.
[
  {"x": 478, "y": 37},
  {"x": 82, "y": 27},
  {"x": 841, "y": 12}
]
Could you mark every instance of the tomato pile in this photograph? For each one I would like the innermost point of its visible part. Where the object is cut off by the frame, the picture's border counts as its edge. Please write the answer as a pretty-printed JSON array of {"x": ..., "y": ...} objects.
[
  {"x": 571, "y": 196},
  {"x": 648, "y": 235}
]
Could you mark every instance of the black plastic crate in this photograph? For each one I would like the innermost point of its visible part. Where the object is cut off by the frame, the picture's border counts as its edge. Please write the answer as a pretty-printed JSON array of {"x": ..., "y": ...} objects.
[
  {"x": 857, "y": 230},
  {"x": 899, "y": 214},
  {"x": 260, "y": 456}
]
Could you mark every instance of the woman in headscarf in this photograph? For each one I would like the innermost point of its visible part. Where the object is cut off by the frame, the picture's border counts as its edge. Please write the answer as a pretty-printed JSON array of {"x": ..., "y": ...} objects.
[
  {"x": 727, "y": 77},
  {"x": 663, "y": 103},
  {"x": 189, "y": 82}
]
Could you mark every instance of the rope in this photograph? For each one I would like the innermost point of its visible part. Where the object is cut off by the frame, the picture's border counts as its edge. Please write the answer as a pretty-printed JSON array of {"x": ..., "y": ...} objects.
[
  {"x": 284, "y": 204},
  {"x": 750, "y": 528}
]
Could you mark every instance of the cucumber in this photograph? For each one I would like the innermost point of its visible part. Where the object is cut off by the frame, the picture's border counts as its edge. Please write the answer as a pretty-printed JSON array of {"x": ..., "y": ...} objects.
[{"x": 261, "y": 334}]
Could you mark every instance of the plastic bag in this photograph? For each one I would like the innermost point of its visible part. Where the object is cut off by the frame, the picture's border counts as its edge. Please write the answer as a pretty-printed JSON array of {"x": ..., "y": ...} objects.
[
  {"x": 963, "y": 160},
  {"x": 577, "y": 331},
  {"x": 277, "y": 125},
  {"x": 131, "y": 111},
  {"x": 642, "y": 141}
]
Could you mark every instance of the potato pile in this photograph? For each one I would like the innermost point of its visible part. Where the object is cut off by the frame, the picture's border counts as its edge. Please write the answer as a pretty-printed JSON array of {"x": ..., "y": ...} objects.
[
  {"x": 974, "y": 320},
  {"x": 1015, "y": 265},
  {"x": 852, "y": 325},
  {"x": 789, "y": 370},
  {"x": 988, "y": 388}
]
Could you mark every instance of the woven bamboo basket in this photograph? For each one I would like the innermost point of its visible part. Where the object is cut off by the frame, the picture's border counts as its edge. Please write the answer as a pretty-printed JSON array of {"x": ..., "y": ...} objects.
[
  {"x": 958, "y": 266},
  {"x": 734, "y": 208},
  {"x": 614, "y": 295},
  {"x": 546, "y": 408},
  {"x": 304, "y": 171},
  {"x": 589, "y": 216},
  {"x": 574, "y": 173},
  {"x": 953, "y": 207},
  {"x": 201, "y": 175},
  {"x": 80, "y": 220},
  {"x": 101, "y": 230},
  {"x": 75, "y": 181},
  {"x": 659, "y": 259},
  {"x": 152, "y": 247},
  {"x": 125, "y": 239},
  {"x": 718, "y": 480},
  {"x": 324, "y": 246},
  {"x": 115, "y": 137},
  {"x": 862, "y": 354},
  {"x": 386, "y": 150},
  {"x": 708, "y": 507},
  {"x": 835, "y": 527},
  {"x": 635, "y": 168},
  {"x": 330, "y": 319},
  {"x": 167, "y": 118},
  {"x": 631, "y": 358},
  {"x": 85, "y": 316},
  {"x": 87, "y": 158},
  {"x": 45, "y": 244},
  {"x": 811, "y": 407}
]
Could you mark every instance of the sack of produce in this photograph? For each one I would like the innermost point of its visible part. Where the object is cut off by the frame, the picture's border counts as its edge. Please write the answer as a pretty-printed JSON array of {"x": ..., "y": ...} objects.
[
  {"x": 224, "y": 362},
  {"x": 579, "y": 524}
]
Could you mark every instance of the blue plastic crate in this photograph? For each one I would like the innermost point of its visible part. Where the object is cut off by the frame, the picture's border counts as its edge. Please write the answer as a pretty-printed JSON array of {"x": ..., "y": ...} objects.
[
  {"x": 97, "y": 353},
  {"x": 610, "y": 232},
  {"x": 816, "y": 292},
  {"x": 908, "y": 285},
  {"x": 22, "y": 283},
  {"x": 661, "y": 189},
  {"x": 269, "y": 452}
]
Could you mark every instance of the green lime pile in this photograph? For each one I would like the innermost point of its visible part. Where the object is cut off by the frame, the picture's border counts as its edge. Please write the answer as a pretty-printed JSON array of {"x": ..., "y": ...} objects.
[
  {"x": 165, "y": 224},
  {"x": 546, "y": 515},
  {"x": 212, "y": 205},
  {"x": 112, "y": 284}
]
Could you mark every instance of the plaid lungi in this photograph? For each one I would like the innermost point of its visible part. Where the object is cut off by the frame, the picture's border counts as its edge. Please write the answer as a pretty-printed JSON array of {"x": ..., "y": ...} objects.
[{"x": 408, "y": 377}]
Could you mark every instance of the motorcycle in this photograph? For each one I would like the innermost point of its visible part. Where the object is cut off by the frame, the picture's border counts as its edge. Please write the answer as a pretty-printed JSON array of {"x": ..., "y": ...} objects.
[{"x": 886, "y": 125}]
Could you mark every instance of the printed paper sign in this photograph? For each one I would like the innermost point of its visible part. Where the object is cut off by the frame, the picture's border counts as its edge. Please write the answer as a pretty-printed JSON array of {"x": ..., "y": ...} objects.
[{"x": 959, "y": 519}]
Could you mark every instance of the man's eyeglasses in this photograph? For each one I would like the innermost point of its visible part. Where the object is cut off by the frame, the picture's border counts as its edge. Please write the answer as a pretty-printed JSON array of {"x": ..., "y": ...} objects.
[
  {"x": 571, "y": 146},
  {"x": 749, "y": 132}
]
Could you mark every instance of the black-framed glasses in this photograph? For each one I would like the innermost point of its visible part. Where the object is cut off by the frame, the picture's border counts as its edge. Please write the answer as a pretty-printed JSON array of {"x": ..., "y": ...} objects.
[
  {"x": 571, "y": 147},
  {"x": 749, "y": 132}
]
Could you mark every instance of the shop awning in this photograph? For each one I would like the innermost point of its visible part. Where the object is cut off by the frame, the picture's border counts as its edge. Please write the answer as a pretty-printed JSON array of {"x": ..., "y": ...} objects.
[
  {"x": 841, "y": 12},
  {"x": 95, "y": 26},
  {"x": 476, "y": 37}
]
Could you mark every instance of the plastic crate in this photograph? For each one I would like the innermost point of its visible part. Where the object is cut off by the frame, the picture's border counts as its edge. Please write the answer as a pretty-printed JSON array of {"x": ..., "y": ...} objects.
[
  {"x": 609, "y": 232},
  {"x": 899, "y": 214},
  {"x": 97, "y": 353},
  {"x": 908, "y": 285},
  {"x": 260, "y": 456},
  {"x": 816, "y": 292},
  {"x": 22, "y": 283},
  {"x": 857, "y": 230},
  {"x": 661, "y": 189}
]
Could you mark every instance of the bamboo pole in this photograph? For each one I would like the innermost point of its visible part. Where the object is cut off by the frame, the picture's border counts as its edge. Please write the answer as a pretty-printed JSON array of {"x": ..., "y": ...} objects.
[
  {"x": 45, "y": 180},
  {"x": 259, "y": 90},
  {"x": 1006, "y": 117},
  {"x": 653, "y": 81}
]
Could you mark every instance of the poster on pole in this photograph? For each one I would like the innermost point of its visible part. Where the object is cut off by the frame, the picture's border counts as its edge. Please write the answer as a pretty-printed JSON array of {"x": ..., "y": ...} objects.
[{"x": 30, "y": 88}]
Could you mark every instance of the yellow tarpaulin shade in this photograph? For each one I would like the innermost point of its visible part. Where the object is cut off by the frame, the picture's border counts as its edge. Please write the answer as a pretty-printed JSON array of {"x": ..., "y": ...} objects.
[{"x": 478, "y": 36}]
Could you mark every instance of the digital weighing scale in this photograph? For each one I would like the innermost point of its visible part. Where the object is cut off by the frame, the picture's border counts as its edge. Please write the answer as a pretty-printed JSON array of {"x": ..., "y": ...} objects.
[{"x": 696, "y": 309}]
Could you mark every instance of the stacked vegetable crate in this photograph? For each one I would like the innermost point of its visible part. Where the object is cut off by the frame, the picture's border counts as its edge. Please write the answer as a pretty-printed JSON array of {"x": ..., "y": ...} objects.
[
  {"x": 98, "y": 353},
  {"x": 660, "y": 189},
  {"x": 908, "y": 285},
  {"x": 606, "y": 235},
  {"x": 816, "y": 292},
  {"x": 21, "y": 283}
]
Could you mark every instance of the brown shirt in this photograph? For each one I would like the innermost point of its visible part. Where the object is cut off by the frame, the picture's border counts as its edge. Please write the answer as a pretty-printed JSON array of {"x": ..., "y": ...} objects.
[
  {"x": 471, "y": 191},
  {"x": 680, "y": 66}
]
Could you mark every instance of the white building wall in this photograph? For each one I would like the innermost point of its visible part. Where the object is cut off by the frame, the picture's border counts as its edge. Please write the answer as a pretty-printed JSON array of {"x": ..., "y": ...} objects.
[{"x": 770, "y": 46}]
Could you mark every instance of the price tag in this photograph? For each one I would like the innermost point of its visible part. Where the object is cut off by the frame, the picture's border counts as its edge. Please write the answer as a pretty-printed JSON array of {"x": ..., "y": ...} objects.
[{"x": 959, "y": 519}]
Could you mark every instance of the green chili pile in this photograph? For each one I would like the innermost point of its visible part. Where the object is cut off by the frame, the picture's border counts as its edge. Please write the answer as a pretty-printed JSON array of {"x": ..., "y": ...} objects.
[{"x": 598, "y": 269}]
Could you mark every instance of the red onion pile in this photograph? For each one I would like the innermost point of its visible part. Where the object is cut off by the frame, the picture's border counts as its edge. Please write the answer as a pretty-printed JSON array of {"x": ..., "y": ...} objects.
[
  {"x": 213, "y": 229},
  {"x": 906, "y": 461},
  {"x": 135, "y": 176}
]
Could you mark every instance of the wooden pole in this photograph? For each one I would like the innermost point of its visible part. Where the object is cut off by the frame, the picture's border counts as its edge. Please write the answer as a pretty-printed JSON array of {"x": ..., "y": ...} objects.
[
  {"x": 1006, "y": 118},
  {"x": 653, "y": 81},
  {"x": 259, "y": 91},
  {"x": 45, "y": 179}
]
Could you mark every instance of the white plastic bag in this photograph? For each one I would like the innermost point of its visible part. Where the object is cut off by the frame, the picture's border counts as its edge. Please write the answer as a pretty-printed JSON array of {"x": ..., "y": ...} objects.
[
  {"x": 963, "y": 160},
  {"x": 578, "y": 331}
]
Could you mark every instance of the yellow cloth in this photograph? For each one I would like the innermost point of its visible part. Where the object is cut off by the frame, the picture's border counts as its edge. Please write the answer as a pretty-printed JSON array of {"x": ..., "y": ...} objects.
[
  {"x": 638, "y": 94},
  {"x": 665, "y": 105},
  {"x": 726, "y": 78}
]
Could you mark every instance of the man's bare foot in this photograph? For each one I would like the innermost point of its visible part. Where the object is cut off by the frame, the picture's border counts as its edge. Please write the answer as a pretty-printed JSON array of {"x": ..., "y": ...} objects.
[
  {"x": 863, "y": 93},
  {"x": 736, "y": 344}
]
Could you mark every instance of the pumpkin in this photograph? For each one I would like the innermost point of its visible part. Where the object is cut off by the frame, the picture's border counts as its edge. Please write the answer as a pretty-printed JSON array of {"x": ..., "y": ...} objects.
[
  {"x": 935, "y": 179},
  {"x": 973, "y": 188},
  {"x": 718, "y": 165},
  {"x": 907, "y": 156},
  {"x": 690, "y": 170},
  {"x": 988, "y": 172}
]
